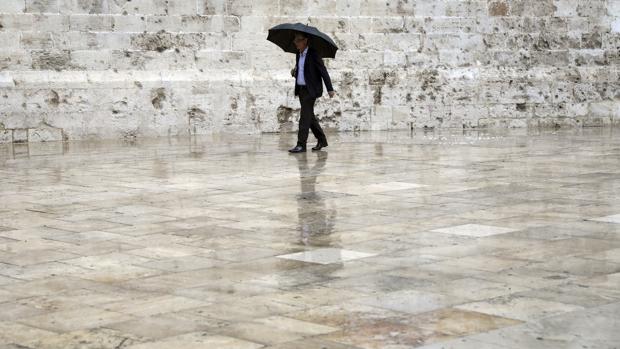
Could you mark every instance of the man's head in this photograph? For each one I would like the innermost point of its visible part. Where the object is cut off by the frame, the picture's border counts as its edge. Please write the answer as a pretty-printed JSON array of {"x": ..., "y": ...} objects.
[{"x": 301, "y": 41}]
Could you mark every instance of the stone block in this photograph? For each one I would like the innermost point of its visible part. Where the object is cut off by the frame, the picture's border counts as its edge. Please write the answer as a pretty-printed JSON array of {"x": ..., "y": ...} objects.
[
  {"x": 20, "y": 135},
  {"x": 42, "y": 6},
  {"x": 355, "y": 119},
  {"x": 360, "y": 24},
  {"x": 615, "y": 25},
  {"x": 89, "y": 22},
  {"x": 44, "y": 133},
  {"x": 6, "y": 80},
  {"x": 244, "y": 7},
  {"x": 129, "y": 23},
  {"x": 12, "y": 6},
  {"x": 253, "y": 23},
  {"x": 603, "y": 109},
  {"x": 54, "y": 23},
  {"x": 380, "y": 118},
  {"x": 401, "y": 117},
  {"x": 9, "y": 40},
  {"x": 592, "y": 8},
  {"x": 394, "y": 58},
  {"x": 211, "y": 7},
  {"x": 388, "y": 25},
  {"x": 84, "y": 6},
  {"x": 294, "y": 8},
  {"x": 37, "y": 41},
  {"x": 51, "y": 59},
  {"x": 237, "y": 60},
  {"x": 330, "y": 24},
  {"x": 141, "y": 7},
  {"x": 182, "y": 7},
  {"x": 6, "y": 136}
]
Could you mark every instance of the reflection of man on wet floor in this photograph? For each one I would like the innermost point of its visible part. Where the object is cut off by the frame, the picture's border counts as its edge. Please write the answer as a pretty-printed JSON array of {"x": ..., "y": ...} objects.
[{"x": 315, "y": 219}]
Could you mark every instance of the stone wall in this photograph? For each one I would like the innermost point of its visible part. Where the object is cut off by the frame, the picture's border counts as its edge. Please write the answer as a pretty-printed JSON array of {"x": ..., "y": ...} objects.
[{"x": 79, "y": 69}]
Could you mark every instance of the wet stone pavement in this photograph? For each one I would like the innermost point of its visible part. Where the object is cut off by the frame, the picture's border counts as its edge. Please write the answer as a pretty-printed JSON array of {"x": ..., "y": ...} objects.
[{"x": 385, "y": 240}]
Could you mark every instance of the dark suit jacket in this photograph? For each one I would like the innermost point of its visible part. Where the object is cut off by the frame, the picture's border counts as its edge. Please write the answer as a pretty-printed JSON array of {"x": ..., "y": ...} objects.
[{"x": 314, "y": 70}]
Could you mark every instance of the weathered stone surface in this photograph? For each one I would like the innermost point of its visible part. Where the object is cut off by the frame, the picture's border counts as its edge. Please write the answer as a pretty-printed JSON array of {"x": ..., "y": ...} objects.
[
  {"x": 414, "y": 239},
  {"x": 120, "y": 68},
  {"x": 42, "y": 6},
  {"x": 6, "y": 80},
  {"x": 12, "y": 6},
  {"x": 6, "y": 136},
  {"x": 44, "y": 133},
  {"x": 20, "y": 135}
]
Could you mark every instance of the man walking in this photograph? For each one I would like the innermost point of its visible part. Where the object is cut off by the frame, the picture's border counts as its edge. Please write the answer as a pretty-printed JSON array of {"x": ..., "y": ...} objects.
[{"x": 308, "y": 72}]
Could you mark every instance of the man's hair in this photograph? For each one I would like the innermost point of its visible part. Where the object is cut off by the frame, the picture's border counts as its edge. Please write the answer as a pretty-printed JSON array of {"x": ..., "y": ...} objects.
[{"x": 302, "y": 34}]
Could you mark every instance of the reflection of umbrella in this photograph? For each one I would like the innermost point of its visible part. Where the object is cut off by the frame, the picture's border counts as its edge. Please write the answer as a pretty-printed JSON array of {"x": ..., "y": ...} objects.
[{"x": 283, "y": 35}]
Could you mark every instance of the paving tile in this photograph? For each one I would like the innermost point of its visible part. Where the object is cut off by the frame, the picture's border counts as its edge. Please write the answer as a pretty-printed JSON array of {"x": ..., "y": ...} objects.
[
  {"x": 85, "y": 339},
  {"x": 184, "y": 263},
  {"x": 198, "y": 340},
  {"x": 386, "y": 333},
  {"x": 608, "y": 219},
  {"x": 327, "y": 256},
  {"x": 72, "y": 320},
  {"x": 297, "y": 326},
  {"x": 312, "y": 343},
  {"x": 519, "y": 308},
  {"x": 154, "y": 305},
  {"x": 476, "y": 230},
  {"x": 161, "y": 326},
  {"x": 15, "y": 333},
  {"x": 460, "y": 323},
  {"x": 410, "y": 301},
  {"x": 474, "y": 289}
]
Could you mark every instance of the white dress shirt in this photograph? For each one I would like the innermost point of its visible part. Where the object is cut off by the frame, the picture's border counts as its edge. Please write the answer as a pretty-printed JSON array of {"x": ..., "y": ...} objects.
[{"x": 301, "y": 80}]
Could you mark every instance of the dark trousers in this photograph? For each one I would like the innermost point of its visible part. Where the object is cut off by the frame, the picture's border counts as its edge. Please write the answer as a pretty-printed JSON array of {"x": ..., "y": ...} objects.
[{"x": 307, "y": 120}]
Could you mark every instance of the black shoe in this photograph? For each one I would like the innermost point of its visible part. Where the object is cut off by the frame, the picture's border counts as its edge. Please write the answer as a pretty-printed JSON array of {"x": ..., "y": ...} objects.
[
  {"x": 298, "y": 149},
  {"x": 320, "y": 145}
]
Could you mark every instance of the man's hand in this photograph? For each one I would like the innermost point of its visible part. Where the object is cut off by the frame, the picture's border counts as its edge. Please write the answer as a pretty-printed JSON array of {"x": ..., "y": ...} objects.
[
  {"x": 293, "y": 71},
  {"x": 332, "y": 94}
]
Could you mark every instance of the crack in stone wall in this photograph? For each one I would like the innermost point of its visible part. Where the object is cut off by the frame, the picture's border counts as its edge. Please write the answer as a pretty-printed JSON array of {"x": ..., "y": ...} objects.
[{"x": 127, "y": 69}]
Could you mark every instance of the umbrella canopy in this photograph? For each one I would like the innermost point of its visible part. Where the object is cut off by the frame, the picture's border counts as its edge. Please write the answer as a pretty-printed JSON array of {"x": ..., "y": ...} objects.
[{"x": 283, "y": 35}]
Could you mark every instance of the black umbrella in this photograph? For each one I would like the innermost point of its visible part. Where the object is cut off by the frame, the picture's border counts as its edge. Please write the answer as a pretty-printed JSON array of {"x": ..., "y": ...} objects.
[{"x": 283, "y": 35}]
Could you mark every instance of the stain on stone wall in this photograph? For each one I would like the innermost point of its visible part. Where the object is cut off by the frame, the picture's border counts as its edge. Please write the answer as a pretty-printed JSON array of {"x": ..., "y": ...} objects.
[
  {"x": 160, "y": 41},
  {"x": 196, "y": 114},
  {"x": 383, "y": 77},
  {"x": 130, "y": 135},
  {"x": 429, "y": 79},
  {"x": 51, "y": 60},
  {"x": 54, "y": 99},
  {"x": 163, "y": 40},
  {"x": 498, "y": 8},
  {"x": 285, "y": 116},
  {"x": 158, "y": 96}
]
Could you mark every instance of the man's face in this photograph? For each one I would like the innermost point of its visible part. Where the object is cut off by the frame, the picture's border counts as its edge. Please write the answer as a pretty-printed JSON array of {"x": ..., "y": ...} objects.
[{"x": 300, "y": 42}]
